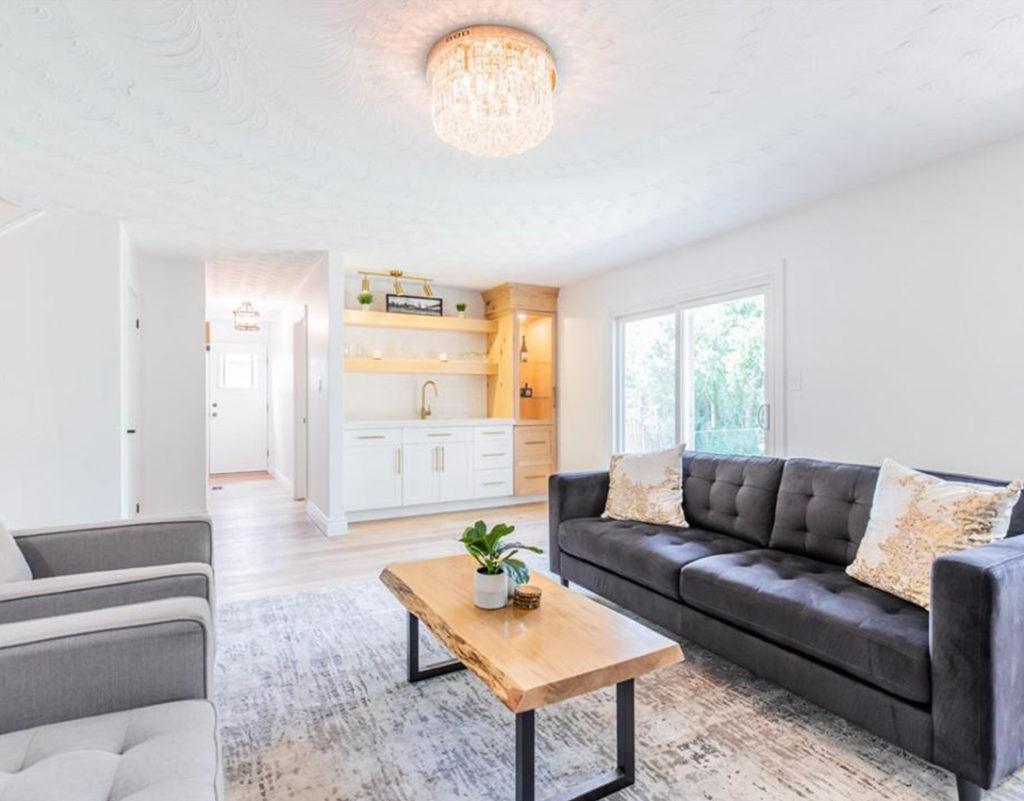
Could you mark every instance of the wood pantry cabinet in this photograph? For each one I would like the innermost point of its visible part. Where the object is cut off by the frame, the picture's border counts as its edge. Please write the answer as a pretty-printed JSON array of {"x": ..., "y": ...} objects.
[{"x": 524, "y": 350}]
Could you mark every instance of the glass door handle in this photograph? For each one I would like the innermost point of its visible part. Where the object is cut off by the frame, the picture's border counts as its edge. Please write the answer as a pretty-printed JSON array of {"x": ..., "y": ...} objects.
[{"x": 764, "y": 416}]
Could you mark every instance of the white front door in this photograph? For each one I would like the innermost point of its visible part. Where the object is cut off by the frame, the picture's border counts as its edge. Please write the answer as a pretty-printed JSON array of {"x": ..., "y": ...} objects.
[{"x": 238, "y": 407}]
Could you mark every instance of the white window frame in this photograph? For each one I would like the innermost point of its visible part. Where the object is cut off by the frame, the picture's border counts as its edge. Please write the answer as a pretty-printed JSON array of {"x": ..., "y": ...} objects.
[{"x": 770, "y": 285}]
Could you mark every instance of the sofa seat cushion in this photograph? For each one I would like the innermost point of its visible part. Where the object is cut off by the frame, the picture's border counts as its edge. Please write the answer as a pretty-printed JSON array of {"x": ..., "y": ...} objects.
[
  {"x": 814, "y": 608},
  {"x": 647, "y": 554},
  {"x": 166, "y": 752}
]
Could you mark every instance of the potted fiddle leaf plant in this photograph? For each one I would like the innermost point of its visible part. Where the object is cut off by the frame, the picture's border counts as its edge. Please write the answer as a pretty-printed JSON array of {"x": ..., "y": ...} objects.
[
  {"x": 365, "y": 299},
  {"x": 498, "y": 563}
]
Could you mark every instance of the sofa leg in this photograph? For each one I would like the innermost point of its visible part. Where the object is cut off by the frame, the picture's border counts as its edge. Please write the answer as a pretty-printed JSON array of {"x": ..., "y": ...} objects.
[
  {"x": 564, "y": 581},
  {"x": 967, "y": 791}
]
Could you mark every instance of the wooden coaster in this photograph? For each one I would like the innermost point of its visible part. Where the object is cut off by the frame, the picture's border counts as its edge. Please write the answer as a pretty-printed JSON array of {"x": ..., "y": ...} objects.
[{"x": 526, "y": 596}]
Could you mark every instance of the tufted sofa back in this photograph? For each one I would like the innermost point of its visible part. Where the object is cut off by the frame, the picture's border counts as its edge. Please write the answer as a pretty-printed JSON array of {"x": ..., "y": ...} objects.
[
  {"x": 732, "y": 495},
  {"x": 823, "y": 508}
]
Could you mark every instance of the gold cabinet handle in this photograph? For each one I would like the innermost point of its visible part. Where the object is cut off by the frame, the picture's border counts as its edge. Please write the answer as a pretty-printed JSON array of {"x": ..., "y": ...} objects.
[
  {"x": 537, "y": 476},
  {"x": 488, "y": 455},
  {"x": 371, "y": 436},
  {"x": 492, "y": 483},
  {"x": 442, "y": 459},
  {"x": 492, "y": 433},
  {"x": 439, "y": 435},
  {"x": 536, "y": 442},
  {"x": 398, "y": 461}
]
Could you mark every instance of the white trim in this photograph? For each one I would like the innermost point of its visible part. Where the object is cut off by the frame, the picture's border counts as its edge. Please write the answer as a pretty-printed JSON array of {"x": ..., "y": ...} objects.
[
  {"x": 278, "y": 475},
  {"x": 772, "y": 285},
  {"x": 327, "y": 526},
  {"x": 21, "y": 220},
  {"x": 440, "y": 508}
]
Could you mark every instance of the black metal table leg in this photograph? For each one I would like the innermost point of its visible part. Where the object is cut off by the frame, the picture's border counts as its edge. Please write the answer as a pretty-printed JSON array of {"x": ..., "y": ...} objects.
[
  {"x": 600, "y": 786},
  {"x": 417, "y": 673}
]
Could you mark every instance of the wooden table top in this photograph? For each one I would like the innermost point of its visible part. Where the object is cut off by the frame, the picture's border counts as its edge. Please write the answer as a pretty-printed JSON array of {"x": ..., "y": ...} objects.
[{"x": 569, "y": 646}]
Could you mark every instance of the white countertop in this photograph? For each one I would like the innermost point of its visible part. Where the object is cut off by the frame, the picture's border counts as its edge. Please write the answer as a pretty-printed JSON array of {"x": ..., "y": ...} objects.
[{"x": 432, "y": 422}]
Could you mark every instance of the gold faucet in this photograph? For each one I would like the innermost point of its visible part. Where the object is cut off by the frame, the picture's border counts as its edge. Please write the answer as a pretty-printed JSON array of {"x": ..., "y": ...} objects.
[{"x": 424, "y": 406}]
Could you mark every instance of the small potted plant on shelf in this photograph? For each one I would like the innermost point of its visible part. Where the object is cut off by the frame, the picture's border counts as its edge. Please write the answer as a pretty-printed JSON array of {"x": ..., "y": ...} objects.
[
  {"x": 461, "y": 309},
  {"x": 365, "y": 299},
  {"x": 498, "y": 565}
]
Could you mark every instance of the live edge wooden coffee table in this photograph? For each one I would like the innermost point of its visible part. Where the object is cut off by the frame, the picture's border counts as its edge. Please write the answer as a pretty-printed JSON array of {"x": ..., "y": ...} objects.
[{"x": 569, "y": 646}]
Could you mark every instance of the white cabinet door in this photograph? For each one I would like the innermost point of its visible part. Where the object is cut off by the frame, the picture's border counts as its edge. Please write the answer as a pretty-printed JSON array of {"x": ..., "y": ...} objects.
[
  {"x": 372, "y": 477},
  {"x": 420, "y": 463},
  {"x": 456, "y": 473}
]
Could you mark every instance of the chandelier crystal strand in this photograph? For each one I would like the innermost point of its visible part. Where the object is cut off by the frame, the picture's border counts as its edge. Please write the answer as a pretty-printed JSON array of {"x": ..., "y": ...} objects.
[{"x": 492, "y": 90}]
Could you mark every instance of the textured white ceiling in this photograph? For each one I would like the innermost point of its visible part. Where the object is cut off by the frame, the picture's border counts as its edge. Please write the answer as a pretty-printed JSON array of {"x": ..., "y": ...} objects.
[
  {"x": 267, "y": 280},
  {"x": 242, "y": 125}
]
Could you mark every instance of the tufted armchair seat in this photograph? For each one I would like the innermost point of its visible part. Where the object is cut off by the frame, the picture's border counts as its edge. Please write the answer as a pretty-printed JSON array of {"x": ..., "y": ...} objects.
[
  {"x": 815, "y": 608},
  {"x": 166, "y": 752}
]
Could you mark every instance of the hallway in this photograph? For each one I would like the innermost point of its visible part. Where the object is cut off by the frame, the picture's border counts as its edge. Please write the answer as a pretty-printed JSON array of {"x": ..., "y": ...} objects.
[{"x": 265, "y": 544}]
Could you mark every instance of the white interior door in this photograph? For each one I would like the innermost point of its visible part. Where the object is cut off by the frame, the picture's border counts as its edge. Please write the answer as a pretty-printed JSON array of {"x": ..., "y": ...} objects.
[
  {"x": 131, "y": 501},
  {"x": 299, "y": 384},
  {"x": 238, "y": 407}
]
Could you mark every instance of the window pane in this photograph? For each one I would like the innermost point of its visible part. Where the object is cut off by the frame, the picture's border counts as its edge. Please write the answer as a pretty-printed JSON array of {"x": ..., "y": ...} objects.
[
  {"x": 727, "y": 372},
  {"x": 649, "y": 383},
  {"x": 238, "y": 371}
]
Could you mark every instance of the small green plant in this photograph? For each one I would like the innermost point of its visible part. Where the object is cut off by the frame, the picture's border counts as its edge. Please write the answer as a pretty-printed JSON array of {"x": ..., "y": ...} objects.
[
  {"x": 460, "y": 307},
  {"x": 365, "y": 298},
  {"x": 495, "y": 556}
]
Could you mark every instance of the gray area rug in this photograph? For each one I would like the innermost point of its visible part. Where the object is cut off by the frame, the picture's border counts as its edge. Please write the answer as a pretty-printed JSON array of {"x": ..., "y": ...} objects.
[{"x": 314, "y": 706}]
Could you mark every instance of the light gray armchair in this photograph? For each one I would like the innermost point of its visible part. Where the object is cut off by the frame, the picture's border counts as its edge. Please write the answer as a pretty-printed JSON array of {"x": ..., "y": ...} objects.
[
  {"x": 88, "y": 567},
  {"x": 110, "y": 703}
]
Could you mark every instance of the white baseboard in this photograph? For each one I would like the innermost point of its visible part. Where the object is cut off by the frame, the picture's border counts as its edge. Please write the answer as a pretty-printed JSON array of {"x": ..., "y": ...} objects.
[
  {"x": 440, "y": 508},
  {"x": 327, "y": 526},
  {"x": 285, "y": 481}
]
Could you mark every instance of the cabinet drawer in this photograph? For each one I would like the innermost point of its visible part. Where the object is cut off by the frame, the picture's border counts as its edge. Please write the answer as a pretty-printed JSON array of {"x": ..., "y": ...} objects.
[
  {"x": 436, "y": 436},
  {"x": 492, "y": 483},
  {"x": 493, "y": 434},
  {"x": 532, "y": 478},
  {"x": 533, "y": 443},
  {"x": 492, "y": 454},
  {"x": 361, "y": 437}
]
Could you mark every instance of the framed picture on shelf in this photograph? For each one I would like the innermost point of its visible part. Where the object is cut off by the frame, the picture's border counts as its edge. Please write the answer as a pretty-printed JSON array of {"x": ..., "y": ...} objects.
[{"x": 415, "y": 304}]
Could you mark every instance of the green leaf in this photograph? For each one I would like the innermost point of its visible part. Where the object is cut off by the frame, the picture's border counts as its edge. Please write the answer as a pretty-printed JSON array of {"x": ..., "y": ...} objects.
[
  {"x": 509, "y": 546},
  {"x": 516, "y": 570}
]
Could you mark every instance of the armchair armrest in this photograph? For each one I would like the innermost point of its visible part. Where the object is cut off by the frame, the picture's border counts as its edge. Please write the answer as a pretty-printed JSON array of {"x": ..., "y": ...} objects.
[
  {"x": 977, "y": 650},
  {"x": 140, "y": 542},
  {"x": 84, "y": 592},
  {"x": 572, "y": 495},
  {"x": 91, "y": 663}
]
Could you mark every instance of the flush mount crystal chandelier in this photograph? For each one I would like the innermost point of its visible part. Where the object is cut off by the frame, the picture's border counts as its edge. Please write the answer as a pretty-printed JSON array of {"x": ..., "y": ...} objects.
[{"x": 492, "y": 89}]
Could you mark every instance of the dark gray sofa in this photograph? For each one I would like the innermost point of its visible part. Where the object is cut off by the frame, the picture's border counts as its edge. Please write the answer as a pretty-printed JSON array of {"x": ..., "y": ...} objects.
[{"x": 759, "y": 577}]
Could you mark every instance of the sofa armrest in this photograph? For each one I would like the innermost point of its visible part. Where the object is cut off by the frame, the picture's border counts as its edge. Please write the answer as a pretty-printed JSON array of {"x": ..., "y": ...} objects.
[
  {"x": 140, "y": 542},
  {"x": 977, "y": 651},
  {"x": 84, "y": 592},
  {"x": 91, "y": 663},
  {"x": 572, "y": 495}
]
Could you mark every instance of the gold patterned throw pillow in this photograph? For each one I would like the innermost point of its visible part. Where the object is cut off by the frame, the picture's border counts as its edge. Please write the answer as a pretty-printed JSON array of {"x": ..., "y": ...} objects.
[
  {"x": 916, "y": 518},
  {"x": 647, "y": 487}
]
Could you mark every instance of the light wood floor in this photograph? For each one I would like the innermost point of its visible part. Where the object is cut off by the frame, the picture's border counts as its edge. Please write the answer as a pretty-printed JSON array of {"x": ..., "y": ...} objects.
[{"x": 264, "y": 543}]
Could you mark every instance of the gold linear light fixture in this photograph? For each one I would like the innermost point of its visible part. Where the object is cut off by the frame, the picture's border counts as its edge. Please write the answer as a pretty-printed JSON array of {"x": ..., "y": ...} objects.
[
  {"x": 492, "y": 88},
  {"x": 396, "y": 276}
]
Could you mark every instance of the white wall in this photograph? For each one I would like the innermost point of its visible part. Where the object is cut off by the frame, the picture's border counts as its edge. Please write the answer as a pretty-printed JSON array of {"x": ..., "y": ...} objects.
[
  {"x": 903, "y": 322},
  {"x": 60, "y": 371},
  {"x": 322, "y": 297},
  {"x": 172, "y": 294}
]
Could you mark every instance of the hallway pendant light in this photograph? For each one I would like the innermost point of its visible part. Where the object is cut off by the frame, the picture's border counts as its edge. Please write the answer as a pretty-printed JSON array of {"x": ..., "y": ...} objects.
[
  {"x": 492, "y": 89},
  {"x": 246, "y": 318}
]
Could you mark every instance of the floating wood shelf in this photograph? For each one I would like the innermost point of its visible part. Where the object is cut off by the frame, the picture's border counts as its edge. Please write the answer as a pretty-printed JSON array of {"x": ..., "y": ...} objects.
[
  {"x": 358, "y": 364},
  {"x": 374, "y": 319}
]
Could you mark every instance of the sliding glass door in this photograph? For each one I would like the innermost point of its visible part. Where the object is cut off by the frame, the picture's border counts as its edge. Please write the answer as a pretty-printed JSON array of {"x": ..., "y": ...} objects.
[{"x": 698, "y": 373}]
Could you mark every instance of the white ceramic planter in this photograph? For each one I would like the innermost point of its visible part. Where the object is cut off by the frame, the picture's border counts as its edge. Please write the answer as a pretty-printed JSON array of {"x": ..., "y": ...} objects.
[{"x": 490, "y": 592}]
